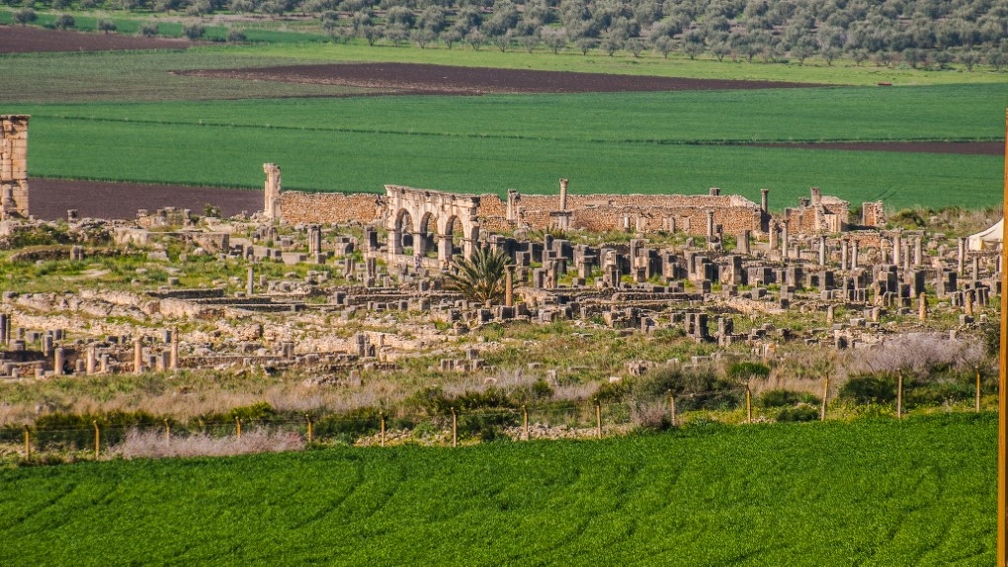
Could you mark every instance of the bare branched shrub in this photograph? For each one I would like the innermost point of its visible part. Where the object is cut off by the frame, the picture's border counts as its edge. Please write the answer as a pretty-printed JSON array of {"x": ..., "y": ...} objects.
[
  {"x": 152, "y": 444},
  {"x": 917, "y": 353}
]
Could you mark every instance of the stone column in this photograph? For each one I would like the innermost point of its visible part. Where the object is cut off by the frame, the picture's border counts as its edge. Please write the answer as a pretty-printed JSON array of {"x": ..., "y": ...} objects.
[
  {"x": 854, "y": 255},
  {"x": 248, "y": 282},
  {"x": 173, "y": 357},
  {"x": 272, "y": 191},
  {"x": 897, "y": 249},
  {"x": 976, "y": 268},
  {"x": 512, "y": 205},
  {"x": 784, "y": 240},
  {"x": 89, "y": 360},
  {"x": 138, "y": 356},
  {"x": 918, "y": 252},
  {"x": 563, "y": 194},
  {"x": 710, "y": 226},
  {"x": 59, "y": 359},
  {"x": 419, "y": 244},
  {"x": 962, "y": 256},
  {"x": 314, "y": 240},
  {"x": 509, "y": 286},
  {"x": 922, "y": 306},
  {"x": 764, "y": 201},
  {"x": 742, "y": 243},
  {"x": 822, "y": 250},
  {"x": 843, "y": 254},
  {"x": 3, "y": 329},
  {"x": 774, "y": 237},
  {"x": 445, "y": 248}
]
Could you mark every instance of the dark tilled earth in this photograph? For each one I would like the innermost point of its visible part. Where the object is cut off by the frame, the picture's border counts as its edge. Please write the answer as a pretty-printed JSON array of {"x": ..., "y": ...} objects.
[
  {"x": 21, "y": 39},
  {"x": 412, "y": 78},
  {"x": 50, "y": 198}
]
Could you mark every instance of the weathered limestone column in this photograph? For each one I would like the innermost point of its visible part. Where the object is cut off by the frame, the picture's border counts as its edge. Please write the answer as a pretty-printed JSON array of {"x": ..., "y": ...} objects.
[
  {"x": 314, "y": 240},
  {"x": 976, "y": 268},
  {"x": 918, "y": 252},
  {"x": 509, "y": 286},
  {"x": 897, "y": 248},
  {"x": 968, "y": 302},
  {"x": 419, "y": 244},
  {"x": 764, "y": 200},
  {"x": 843, "y": 254},
  {"x": 742, "y": 243},
  {"x": 854, "y": 255},
  {"x": 563, "y": 194},
  {"x": 830, "y": 313},
  {"x": 962, "y": 256},
  {"x": 822, "y": 250},
  {"x": 13, "y": 166},
  {"x": 513, "y": 197},
  {"x": 774, "y": 237},
  {"x": 250, "y": 278},
  {"x": 138, "y": 356},
  {"x": 710, "y": 227},
  {"x": 445, "y": 248},
  {"x": 173, "y": 357},
  {"x": 272, "y": 191},
  {"x": 395, "y": 242},
  {"x": 922, "y": 306},
  {"x": 784, "y": 241},
  {"x": 3, "y": 329},
  {"x": 89, "y": 360},
  {"x": 59, "y": 359}
]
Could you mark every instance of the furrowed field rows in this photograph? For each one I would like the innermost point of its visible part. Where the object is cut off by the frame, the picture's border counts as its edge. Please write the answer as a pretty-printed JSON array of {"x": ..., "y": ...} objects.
[
  {"x": 920, "y": 491},
  {"x": 361, "y": 161},
  {"x": 958, "y": 112}
]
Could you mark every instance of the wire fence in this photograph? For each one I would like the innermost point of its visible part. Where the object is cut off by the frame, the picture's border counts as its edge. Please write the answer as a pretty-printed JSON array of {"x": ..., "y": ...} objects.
[{"x": 260, "y": 429}]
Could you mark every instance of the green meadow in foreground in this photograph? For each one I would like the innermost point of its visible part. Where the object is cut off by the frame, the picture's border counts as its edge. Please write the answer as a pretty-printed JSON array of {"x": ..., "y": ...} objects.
[{"x": 882, "y": 492}]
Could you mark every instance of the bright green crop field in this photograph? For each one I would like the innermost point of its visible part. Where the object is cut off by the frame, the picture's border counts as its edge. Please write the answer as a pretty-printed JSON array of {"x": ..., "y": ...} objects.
[{"x": 916, "y": 492}]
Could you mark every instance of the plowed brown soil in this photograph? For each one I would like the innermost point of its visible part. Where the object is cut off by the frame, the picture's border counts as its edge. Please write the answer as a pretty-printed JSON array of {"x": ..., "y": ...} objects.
[
  {"x": 21, "y": 39},
  {"x": 412, "y": 78},
  {"x": 50, "y": 198}
]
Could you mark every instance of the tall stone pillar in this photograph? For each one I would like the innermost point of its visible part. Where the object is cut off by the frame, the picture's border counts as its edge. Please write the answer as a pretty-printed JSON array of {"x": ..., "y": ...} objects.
[
  {"x": 3, "y": 329},
  {"x": 249, "y": 282},
  {"x": 742, "y": 243},
  {"x": 513, "y": 198},
  {"x": 395, "y": 242},
  {"x": 897, "y": 249},
  {"x": 774, "y": 237},
  {"x": 419, "y": 244},
  {"x": 271, "y": 205},
  {"x": 822, "y": 250},
  {"x": 784, "y": 240},
  {"x": 509, "y": 286},
  {"x": 710, "y": 227},
  {"x": 89, "y": 360},
  {"x": 59, "y": 359},
  {"x": 138, "y": 356},
  {"x": 445, "y": 248},
  {"x": 173, "y": 360},
  {"x": 314, "y": 240},
  {"x": 918, "y": 252},
  {"x": 962, "y": 256},
  {"x": 563, "y": 194},
  {"x": 843, "y": 254},
  {"x": 764, "y": 200},
  {"x": 13, "y": 166},
  {"x": 854, "y": 255}
]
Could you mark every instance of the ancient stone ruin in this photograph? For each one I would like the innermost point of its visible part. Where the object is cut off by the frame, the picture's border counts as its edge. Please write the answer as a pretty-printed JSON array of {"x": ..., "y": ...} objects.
[{"x": 13, "y": 166}]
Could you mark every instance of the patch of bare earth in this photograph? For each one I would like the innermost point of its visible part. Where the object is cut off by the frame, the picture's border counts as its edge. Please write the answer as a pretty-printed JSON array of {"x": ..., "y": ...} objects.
[
  {"x": 51, "y": 198},
  {"x": 21, "y": 39},
  {"x": 412, "y": 78}
]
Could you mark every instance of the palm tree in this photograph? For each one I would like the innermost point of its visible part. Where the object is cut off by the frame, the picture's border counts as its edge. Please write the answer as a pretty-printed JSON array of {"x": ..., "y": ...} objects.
[{"x": 480, "y": 277}]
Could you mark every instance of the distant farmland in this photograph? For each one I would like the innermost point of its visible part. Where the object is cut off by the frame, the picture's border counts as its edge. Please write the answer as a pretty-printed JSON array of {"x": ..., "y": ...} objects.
[
  {"x": 678, "y": 142},
  {"x": 914, "y": 492}
]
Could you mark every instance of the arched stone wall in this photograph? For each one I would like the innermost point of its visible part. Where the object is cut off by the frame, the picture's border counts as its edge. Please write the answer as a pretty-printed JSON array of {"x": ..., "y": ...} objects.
[{"x": 424, "y": 206}]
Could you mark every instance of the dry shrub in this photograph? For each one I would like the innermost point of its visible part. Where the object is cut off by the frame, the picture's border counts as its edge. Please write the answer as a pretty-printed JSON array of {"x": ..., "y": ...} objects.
[
  {"x": 919, "y": 353},
  {"x": 152, "y": 444}
]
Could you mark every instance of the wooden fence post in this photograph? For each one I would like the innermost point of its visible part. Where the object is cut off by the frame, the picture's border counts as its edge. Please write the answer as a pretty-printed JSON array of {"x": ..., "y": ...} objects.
[
  {"x": 525, "y": 430},
  {"x": 899, "y": 395},
  {"x": 748, "y": 404},
  {"x": 598, "y": 419},
  {"x": 671, "y": 399},
  {"x": 825, "y": 397},
  {"x": 238, "y": 427},
  {"x": 382, "y": 416},
  {"x": 27, "y": 443},
  {"x": 97, "y": 439},
  {"x": 454, "y": 428},
  {"x": 308, "y": 418}
]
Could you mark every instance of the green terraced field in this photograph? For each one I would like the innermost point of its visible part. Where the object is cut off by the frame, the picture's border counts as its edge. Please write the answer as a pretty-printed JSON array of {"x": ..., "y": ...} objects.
[{"x": 916, "y": 492}]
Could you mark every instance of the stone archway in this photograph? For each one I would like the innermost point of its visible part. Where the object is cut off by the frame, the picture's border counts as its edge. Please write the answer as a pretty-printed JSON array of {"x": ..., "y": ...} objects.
[{"x": 423, "y": 207}]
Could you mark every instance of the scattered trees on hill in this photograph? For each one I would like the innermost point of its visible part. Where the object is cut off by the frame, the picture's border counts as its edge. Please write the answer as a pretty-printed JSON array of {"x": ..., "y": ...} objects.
[{"x": 926, "y": 33}]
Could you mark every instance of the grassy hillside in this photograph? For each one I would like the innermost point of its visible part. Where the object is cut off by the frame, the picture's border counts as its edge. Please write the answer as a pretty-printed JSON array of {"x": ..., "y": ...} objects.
[{"x": 918, "y": 492}]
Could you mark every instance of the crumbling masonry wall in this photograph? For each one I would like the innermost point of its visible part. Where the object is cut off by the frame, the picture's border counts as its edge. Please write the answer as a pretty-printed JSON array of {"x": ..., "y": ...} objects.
[
  {"x": 297, "y": 207},
  {"x": 13, "y": 166}
]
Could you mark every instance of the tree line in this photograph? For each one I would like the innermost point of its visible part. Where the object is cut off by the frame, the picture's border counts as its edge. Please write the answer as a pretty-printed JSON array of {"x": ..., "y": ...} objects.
[{"x": 916, "y": 32}]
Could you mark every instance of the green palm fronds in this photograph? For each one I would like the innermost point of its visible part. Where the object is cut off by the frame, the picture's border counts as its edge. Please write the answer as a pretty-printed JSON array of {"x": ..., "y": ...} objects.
[{"x": 480, "y": 277}]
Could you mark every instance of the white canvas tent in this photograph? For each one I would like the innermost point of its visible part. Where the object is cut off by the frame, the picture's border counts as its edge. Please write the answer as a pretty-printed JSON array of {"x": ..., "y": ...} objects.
[{"x": 987, "y": 239}]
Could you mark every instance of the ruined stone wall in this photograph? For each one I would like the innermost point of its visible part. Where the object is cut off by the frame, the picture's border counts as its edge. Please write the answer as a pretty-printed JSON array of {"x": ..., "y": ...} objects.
[
  {"x": 297, "y": 207},
  {"x": 873, "y": 214},
  {"x": 13, "y": 165}
]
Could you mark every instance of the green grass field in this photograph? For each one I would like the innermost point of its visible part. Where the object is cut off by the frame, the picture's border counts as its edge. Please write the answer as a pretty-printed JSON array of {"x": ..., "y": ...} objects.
[
  {"x": 606, "y": 143},
  {"x": 917, "y": 492}
]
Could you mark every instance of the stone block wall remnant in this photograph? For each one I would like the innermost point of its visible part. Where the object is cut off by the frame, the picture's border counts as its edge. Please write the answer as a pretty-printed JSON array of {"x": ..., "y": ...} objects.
[
  {"x": 13, "y": 166},
  {"x": 272, "y": 191}
]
